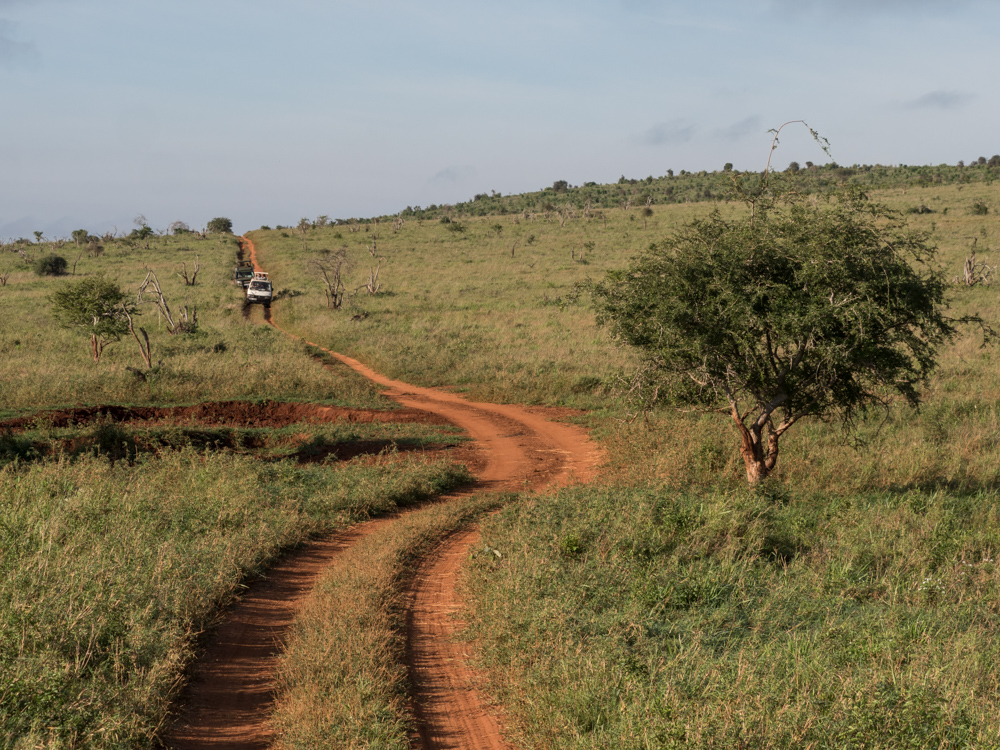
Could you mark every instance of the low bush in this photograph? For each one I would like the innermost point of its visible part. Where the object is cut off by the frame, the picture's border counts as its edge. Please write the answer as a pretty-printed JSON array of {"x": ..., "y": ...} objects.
[{"x": 51, "y": 265}]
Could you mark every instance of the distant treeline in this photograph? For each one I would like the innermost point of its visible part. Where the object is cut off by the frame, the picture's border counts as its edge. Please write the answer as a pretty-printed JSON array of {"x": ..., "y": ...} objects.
[{"x": 690, "y": 187}]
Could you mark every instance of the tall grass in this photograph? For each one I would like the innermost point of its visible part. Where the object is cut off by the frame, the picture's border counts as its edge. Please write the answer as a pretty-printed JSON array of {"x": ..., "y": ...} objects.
[
  {"x": 655, "y": 618},
  {"x": 108, "y": 572}
]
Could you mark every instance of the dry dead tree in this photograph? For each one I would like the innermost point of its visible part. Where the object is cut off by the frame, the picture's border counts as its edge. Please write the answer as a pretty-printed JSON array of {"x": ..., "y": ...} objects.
[
  {"x": 3, "y": 278},
  {"x": 152, "y": 285},
  {"x": 143, "y": 343},
  {"x": 184, "y": 275},
  {"x": 975, "y": 272},
  {"x": 397, "y": 224},
  {"x": 331, "y": 268},
  {"x": 373, "y": 284}
]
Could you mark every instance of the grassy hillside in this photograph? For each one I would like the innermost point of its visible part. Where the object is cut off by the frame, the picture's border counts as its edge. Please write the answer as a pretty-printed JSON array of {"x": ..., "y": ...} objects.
[{"x": 853, "y": 604}]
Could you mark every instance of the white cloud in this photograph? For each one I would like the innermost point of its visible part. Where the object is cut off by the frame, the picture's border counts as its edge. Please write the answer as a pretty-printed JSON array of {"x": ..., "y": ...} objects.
[
  {"x": 941, "y": 100},
  {"x": 453, "y": 175},
  {"x": 12, "y": 52},
  {"x": 675, "y": 131},
  {"x": 743, "y": 128}
]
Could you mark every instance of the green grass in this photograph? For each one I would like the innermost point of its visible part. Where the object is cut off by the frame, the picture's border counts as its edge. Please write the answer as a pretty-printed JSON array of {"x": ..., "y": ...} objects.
[
  {"x": 343, "y": 680},
  {"x": 227, "y": 357},
  {"x": 854, "y": 605},
  {"x": 301, "y": 442},
  {"x": 109, "y": 572},
  {"x": 655, "y": 618}
]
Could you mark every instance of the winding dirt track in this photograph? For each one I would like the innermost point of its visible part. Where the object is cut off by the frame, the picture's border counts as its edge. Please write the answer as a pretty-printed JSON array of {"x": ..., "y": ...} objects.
[{"x": 517, "y": 448}]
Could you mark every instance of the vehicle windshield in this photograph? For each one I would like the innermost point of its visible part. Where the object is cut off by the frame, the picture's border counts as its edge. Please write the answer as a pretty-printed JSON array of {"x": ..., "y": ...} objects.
[{"x": 260, "y": 284}]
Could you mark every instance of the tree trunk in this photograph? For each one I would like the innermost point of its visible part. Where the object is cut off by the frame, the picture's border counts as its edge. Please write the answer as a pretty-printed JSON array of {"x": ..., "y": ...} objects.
[{"x": 758, "y": 462}]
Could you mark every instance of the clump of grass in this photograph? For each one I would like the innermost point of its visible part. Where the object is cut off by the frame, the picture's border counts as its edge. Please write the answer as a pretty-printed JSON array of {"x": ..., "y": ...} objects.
[{"x": 732, "y": 618}]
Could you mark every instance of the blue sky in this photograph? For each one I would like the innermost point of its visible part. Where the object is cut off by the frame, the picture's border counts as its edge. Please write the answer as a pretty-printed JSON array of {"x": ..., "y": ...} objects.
[{"x": 269, "y": 112}]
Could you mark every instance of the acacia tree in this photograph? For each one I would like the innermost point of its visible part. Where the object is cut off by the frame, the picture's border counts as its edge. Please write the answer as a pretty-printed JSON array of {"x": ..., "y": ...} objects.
[
  {"x": 794, "y": 309},
  {"x": 219, "y": 225},
  {"x": 96, "y": 306}
]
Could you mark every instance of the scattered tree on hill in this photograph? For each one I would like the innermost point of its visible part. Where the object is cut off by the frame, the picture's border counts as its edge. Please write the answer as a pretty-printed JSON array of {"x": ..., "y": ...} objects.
[
  {"x": 80, "y": 236},
  {"x": 96, "y": 306},
  {"x": 330, "y": 267},
  {"x": 219, "y": 225},
  {"x": 792, "y": 310}
]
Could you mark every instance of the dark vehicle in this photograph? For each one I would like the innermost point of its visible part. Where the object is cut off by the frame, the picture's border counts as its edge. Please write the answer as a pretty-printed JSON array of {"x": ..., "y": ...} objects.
[{"x": 243, "y": 273}]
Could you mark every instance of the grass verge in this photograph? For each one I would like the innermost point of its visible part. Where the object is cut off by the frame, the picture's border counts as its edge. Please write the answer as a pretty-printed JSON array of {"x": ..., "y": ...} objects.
[{"x": 343, "y": 678}]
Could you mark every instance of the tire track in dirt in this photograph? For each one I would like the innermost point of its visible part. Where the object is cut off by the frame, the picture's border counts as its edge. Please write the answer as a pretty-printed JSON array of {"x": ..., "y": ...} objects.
[{"x": 519, "y": 448}]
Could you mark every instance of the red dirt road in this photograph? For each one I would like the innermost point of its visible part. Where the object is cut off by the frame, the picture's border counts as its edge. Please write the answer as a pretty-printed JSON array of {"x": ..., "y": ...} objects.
[{"x": 517, "y": 448}]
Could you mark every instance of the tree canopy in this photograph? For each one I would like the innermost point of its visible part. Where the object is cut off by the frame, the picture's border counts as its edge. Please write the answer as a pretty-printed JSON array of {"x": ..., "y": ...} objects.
[
  {"x": 797, "y": 308},
  {"x": 219, "y": 225},
  {"x": 96, "y": 306}
]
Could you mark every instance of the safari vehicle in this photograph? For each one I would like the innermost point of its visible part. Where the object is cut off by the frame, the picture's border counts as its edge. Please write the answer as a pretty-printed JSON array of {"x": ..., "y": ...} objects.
[
  {"x": 259, "y": 289},
  {"x": 243, "y": 273}
]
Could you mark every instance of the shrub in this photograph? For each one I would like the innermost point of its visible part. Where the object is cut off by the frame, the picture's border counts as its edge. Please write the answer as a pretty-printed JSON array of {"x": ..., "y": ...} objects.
[
  {"x": 979, "y": 208},
  {"x": 50, "y": 265},
  {"x": 142, "y": 233}
]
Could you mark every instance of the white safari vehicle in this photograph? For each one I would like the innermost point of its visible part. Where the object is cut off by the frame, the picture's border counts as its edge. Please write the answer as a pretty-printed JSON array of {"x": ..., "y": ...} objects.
[{"x": 259, "y": 289}]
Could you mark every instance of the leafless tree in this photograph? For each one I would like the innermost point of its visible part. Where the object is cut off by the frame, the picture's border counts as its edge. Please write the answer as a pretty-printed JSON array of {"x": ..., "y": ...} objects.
[
  {"x": 331, "y": 267},
  {"x": 3, "y": 278},
  {"x": 373, "y": 284},
  {"x": 975, "y": 272},
  {"x": 151, "y": 287},
  {"x": 143, "y": 343},
  {"x": 194, "y": 275}
]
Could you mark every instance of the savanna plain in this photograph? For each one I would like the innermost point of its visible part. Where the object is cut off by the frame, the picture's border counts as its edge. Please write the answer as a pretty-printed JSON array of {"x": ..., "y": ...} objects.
[{"x": 851, "y": 601}]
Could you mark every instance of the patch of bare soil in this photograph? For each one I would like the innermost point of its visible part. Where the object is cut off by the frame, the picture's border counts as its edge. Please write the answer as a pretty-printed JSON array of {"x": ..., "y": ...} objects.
[{"x": 514, "y": 448}]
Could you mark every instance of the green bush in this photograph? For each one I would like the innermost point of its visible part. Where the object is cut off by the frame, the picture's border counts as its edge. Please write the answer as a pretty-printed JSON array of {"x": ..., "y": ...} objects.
[{"x": 51, "y": 265}]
